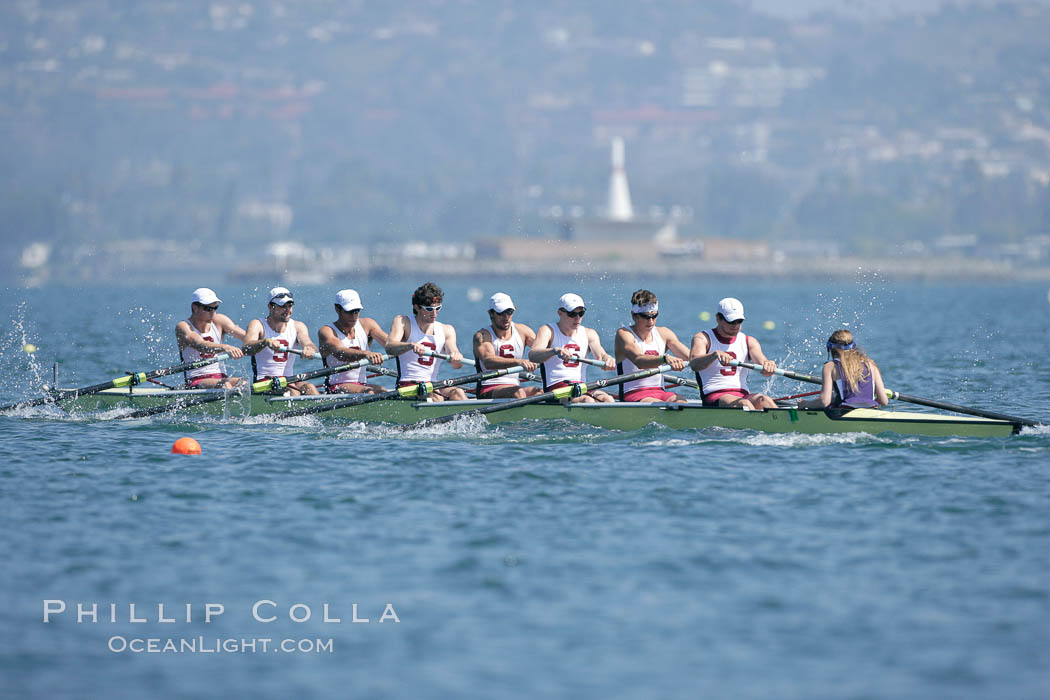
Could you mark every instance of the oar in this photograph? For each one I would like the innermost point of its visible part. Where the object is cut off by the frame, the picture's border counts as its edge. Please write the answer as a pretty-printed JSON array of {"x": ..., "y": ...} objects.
[
  {"x": 565, "y": 392},
  {"x": 405, "y": 392},
  {"x": 117, "y": 383},
  {"x": 442, "y": 356},
  {"x": 902, "y": 397},
  {"x": 281, "y": 383}
]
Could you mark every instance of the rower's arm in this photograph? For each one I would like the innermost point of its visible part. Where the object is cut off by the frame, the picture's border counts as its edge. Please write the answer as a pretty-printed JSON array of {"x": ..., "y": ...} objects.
[
  {"x": 455, "y": 356},
  {"x": 226, "y": 325},
  {"x": 396, "y": 343},
  {"x": 375, "y": 331},
  {"x": 881, "y": 395},
  {"x": 253, "y": 338},
  {"x": 754, "y": 350},
  {"x": 302, "y": 336},
  {"x": 699, "y": 357},
  {"x": 827, "y": 386},
  {"x": 594, "y": 343},
  {"x": 540, "y": 350},
  {"x": 188, "y": 337}
]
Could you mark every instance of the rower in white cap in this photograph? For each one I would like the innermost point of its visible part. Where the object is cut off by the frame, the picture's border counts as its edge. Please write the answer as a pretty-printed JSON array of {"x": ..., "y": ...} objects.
[
  {"x": 347, "y": 339},
  {"x": 559, "y": 344},
  {"x": 200, "y": 337},
  {"x": 721, "y": 383},
  {"x": 268, "y": 340},
  {"x": 503, "y": 345}
]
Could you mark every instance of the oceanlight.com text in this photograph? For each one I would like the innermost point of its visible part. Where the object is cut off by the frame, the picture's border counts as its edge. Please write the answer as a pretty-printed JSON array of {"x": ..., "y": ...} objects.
[{"x": 216, "y": 645}]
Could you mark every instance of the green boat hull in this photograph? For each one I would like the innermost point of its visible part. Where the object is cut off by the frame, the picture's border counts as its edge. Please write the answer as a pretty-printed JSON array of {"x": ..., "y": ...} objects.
[{"x": 617, "y": 416}]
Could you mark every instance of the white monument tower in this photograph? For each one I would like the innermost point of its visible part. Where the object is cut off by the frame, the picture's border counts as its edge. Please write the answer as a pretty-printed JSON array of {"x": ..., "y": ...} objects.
[{"x": 620, "y": 208}]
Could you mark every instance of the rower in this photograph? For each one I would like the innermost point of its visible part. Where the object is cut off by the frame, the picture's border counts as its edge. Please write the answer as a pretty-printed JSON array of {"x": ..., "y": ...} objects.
[
  {"x": 271, "y": 340},
  {"x": 412, "y": 337},
  {"x": 348, "y": 339},
  {"x": 502, "y": 345},
  {"x": 644, "y": 345},
  {"x": 200, "y": 337},
  {"x": 559, "y": 345},
  {"x": 850, "y": 379},
  {"x": 721, "y": 383}
]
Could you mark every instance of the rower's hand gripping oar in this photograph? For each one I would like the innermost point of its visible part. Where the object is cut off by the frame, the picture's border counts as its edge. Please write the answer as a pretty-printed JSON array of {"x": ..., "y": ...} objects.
[
  {"x": 565, "y": 392},
  {"x": 281, "y": 383},
  {"x": 944, "y": 406},
  {"x": 405, "y": 392},
  {"x": 126, "y": 380}
]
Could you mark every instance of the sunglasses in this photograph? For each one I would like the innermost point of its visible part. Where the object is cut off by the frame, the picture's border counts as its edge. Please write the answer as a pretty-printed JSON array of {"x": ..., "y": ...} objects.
[
  {"x": 431, "y": 308},
  {"x": 575, "y": 314},
  {"x": 650, "y": 317},
  {"x": 213, "y": 308},
  {"x": 508, "y": 312},
  {"x": 733, "y": 323},
  {"x": 283, "y": 306}
]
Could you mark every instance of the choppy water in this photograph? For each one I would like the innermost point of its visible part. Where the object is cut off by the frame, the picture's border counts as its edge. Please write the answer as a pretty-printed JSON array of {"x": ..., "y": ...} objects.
[{"x": 537, "y": 559}]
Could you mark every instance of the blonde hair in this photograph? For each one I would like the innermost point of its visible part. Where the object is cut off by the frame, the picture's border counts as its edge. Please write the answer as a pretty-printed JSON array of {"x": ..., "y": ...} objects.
[{"x": 852, "y": 360}]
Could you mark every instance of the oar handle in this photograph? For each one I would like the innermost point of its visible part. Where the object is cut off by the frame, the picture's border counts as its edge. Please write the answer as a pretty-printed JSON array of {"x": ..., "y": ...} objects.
[
  {"x": 448, "y": 358},
  {"x": 442, "y": 356},
  {"x": 589, "y": 361},
  {"x": 798, "y": 376},
  {"x": 299, "y": 352}
]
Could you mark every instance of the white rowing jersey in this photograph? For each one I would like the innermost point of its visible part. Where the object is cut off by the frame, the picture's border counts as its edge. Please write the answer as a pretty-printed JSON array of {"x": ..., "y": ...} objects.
[
  {"x": 414, "y": 368},
  {"x": 554, "y": 369},
  {"x": 266, "y": 363},
  {"x": 513, "y": 347},
  {"x": 656, "y": 347},
  {"x": 189, "y": 354},
  {"x": 718, "y": 377},
  {"x": 358, "y": 342}
]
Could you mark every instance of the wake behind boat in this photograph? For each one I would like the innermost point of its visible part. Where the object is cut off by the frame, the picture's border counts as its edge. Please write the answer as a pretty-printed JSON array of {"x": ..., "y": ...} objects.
[{"x": 691, "y": 415}]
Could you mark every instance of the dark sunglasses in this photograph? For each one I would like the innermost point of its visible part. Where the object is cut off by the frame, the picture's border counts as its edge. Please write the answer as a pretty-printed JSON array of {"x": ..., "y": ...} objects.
[
  {"x": 732, "y": 323},
  {"x": 284, "y": 305},
  {"x": 575, "y": 314},
  {"x": 212, "y": 308},
  {"x": 650, "y": 317},
  {"x": 508, "y": 312}
]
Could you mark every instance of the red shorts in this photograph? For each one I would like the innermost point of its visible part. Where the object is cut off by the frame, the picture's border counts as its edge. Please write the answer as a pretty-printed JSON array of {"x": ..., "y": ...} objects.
[
  {"x": 197, "y": 380},
  {"x": 649, "y": 392},
  {"x": 712, "y": 398},
  {"x": 492, "y": 387}
]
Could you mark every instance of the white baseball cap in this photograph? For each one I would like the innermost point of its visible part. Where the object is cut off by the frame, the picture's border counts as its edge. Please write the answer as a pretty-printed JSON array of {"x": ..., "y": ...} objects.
[
  {"x": 203, "y": 295},
  {"x": 571, "y": 301},
  {"x": 731, "y": 309},
  {"x": 348, "y": 300},
  {"x": 279, "y": 296},
  {"x": 500, "y": 302}
]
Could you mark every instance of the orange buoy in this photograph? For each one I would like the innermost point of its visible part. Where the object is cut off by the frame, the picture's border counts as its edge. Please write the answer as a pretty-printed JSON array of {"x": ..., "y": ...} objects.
[{"x": 186, "y": 446}]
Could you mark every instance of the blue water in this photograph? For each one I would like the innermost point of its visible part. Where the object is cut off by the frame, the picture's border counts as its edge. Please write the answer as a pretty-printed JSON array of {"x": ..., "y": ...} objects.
[{"x": 536, "y": 559}]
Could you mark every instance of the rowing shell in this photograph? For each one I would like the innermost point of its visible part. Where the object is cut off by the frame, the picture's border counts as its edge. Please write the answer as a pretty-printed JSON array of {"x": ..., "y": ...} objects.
[{"x": 613, "y": 416}]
